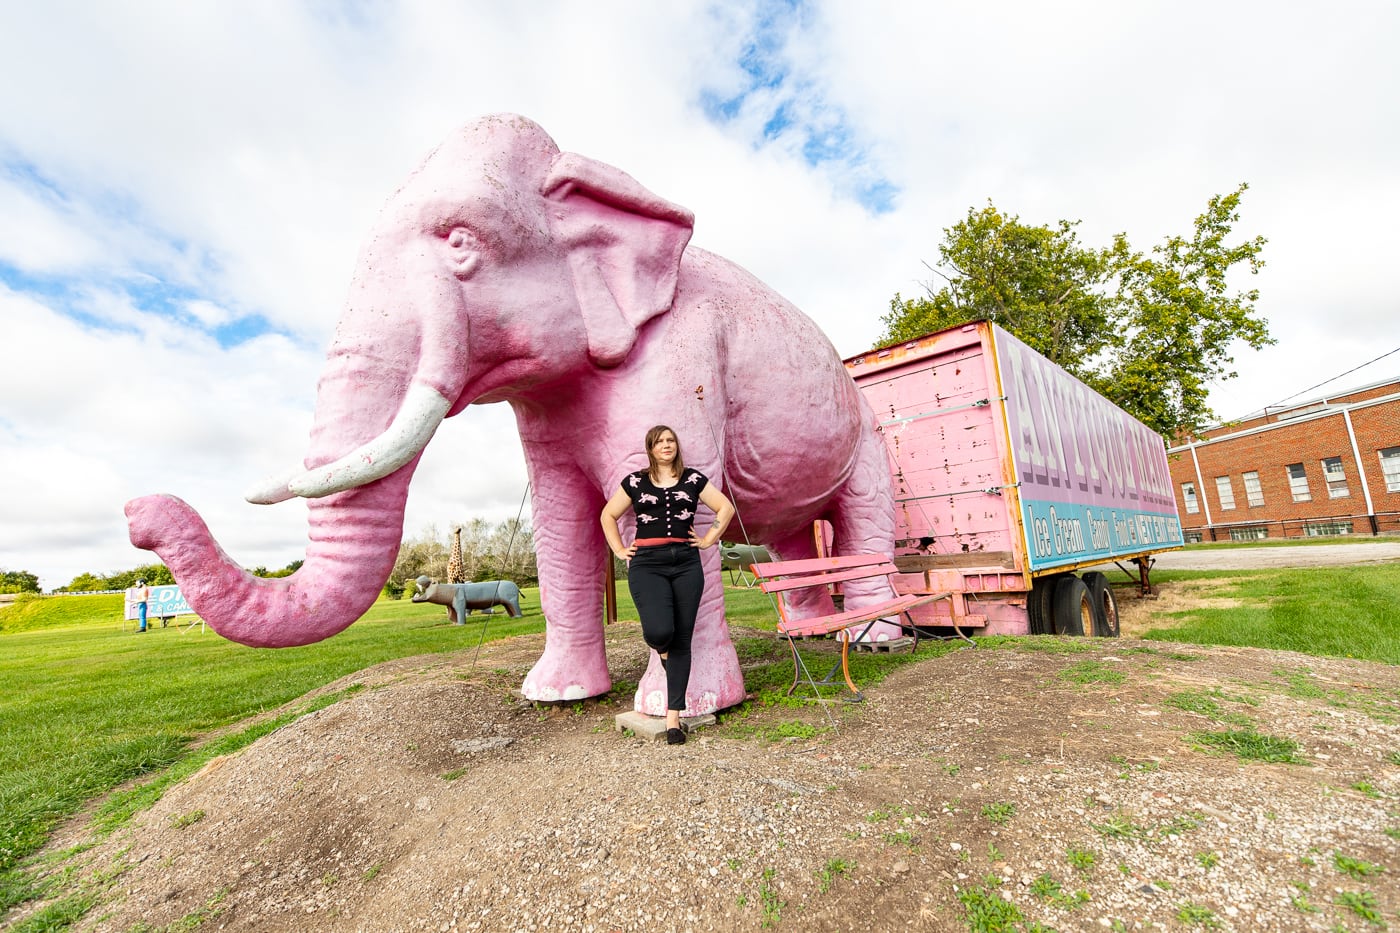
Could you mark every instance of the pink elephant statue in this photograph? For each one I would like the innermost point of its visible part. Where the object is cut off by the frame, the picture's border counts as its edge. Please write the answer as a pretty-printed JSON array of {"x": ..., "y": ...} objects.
[{"x": 506, "y": 270}]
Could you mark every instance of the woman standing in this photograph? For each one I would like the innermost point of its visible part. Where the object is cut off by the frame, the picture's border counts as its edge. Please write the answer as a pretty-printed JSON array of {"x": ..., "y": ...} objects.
[{"x": 664, "y": 570}]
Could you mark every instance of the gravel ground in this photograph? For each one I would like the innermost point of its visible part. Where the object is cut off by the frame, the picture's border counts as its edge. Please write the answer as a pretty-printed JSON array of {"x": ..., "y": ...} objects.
[{"x": 1062, "y": 782}]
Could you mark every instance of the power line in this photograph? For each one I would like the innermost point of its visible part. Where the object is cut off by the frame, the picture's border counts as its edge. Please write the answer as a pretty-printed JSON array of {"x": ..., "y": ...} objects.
[{"x": 1333, "y": 379}]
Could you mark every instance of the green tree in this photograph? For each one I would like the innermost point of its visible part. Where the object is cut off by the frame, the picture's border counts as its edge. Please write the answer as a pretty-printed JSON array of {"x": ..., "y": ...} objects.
[
  {"x": 18, "y": 581},
  {"x": 153, "y": 574},
  {"x": 287, "y": 571},
  {"x": 1182, "y": 317},
  {"x": 1037, "y": 282},
  {"x": 1150, "y": 332},
  {"x": 84, "y": 583}
]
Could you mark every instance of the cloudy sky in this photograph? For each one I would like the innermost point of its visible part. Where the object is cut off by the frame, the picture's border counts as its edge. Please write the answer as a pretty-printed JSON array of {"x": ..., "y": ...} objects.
[{"x": 184, "y": 188}]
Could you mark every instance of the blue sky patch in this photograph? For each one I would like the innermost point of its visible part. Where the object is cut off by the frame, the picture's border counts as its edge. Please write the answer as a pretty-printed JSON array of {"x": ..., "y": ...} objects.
[
  {"x": 103, "y": 297},
  {"x": 777, "y": 123},
  {"x": 770, "y": 99},
  {"x": 82, "y": 300},
  {"x": 29, "y": 176}
]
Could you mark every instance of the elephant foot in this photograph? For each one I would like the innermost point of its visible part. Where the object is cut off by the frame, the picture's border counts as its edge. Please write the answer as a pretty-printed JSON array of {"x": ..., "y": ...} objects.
[
  {"x": 716, "y": 682},
  {"x": 568, "y": 674}
]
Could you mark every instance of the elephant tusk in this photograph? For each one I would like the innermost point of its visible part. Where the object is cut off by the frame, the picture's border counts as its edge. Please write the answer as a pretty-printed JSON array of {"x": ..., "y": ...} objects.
[
  {"x": 274, "y": 488},
  {"x": 422, "y": 411}
]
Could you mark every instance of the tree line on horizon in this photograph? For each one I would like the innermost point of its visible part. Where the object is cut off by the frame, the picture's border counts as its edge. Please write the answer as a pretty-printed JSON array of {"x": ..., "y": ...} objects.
[{"x": 22, "y": 581}]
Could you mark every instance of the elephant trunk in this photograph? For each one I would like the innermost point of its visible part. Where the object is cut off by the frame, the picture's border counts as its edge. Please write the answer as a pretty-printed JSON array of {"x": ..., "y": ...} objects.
[
  {"x": 354, "y": 539},
  {"x": 369, "y": 409}
]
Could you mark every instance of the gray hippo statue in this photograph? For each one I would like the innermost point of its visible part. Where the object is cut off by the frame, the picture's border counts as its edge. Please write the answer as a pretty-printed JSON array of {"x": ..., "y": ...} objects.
[{"x": 461, "y": 598}]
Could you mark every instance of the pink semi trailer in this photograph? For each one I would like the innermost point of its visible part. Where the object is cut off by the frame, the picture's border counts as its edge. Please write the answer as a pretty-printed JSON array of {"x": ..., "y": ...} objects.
[{"x": 1011, "y": 477}]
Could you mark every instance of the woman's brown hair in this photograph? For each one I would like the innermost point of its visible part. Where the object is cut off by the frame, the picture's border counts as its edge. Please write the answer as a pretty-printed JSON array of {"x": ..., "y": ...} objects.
[{"x": 653, "y": 436}]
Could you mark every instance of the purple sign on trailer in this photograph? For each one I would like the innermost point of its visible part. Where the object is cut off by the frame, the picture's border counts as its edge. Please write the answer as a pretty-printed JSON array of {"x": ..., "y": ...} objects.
[{"x": 1093, "y": 480}]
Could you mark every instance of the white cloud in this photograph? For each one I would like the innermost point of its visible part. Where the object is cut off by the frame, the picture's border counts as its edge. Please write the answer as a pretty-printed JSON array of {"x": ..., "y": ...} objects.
[
  {"x": 37, "y": 237},
  {"x": 208, "y": 313},
  {"x": 171, "y": 170}
]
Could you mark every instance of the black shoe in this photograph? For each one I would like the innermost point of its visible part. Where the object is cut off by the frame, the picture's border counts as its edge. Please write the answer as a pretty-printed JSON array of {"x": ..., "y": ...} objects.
[{"x": 675, "y": 736}]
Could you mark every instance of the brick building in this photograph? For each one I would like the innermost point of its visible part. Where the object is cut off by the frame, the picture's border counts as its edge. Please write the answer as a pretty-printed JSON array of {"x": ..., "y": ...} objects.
[{"x": 1326, "y": 467}]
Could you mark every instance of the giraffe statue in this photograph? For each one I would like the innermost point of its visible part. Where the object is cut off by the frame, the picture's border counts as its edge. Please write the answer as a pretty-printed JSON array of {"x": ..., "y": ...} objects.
[{"x": 456, "y": 573}]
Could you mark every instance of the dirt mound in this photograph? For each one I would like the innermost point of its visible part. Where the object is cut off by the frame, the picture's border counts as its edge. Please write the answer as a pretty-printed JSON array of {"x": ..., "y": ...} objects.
[{"x": 1057, "y": 780}]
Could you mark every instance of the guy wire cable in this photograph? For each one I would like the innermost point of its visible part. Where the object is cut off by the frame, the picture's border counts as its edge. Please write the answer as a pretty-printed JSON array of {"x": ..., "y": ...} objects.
[
  {"x": 801, "y": 664},
  {"x": 505, "y": 562}
]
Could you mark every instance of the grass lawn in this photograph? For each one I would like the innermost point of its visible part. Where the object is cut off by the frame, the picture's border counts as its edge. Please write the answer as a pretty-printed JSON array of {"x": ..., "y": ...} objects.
[
  {"x": 89, "y": 706},
  {"x": 1342, "y": 612},
  {"x": 28, "y": 612}
]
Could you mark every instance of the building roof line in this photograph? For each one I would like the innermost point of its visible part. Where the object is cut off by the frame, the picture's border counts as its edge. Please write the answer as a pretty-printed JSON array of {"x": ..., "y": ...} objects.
[
  {"x": 1319, "y": 399},
  {"x": 1331, "y": 408},
  {"x": 1278, "y": 409}
]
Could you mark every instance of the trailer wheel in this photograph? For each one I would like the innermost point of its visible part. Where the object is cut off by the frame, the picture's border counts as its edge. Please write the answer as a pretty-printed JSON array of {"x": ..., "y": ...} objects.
[
  {"x": 1105, "y": 604},
  {"x": 1074, "y": 610},
  {"x": 1040, "y": 605}
]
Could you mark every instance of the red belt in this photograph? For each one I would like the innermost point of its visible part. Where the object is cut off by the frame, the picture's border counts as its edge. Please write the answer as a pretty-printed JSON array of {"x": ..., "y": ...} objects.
[{"x": 653, "y": 542}]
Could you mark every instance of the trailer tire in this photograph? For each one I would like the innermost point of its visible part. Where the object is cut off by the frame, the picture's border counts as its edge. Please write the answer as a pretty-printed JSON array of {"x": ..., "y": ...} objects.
[
  {"x": 1105, "y": 604},
  {"x": 1074, "y": 610},
  {"x": 1040, "y": 604}
]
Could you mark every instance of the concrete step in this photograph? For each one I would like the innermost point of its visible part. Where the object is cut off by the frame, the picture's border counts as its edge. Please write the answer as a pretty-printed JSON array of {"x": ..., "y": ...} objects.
[{"x": 653, "y": 728}]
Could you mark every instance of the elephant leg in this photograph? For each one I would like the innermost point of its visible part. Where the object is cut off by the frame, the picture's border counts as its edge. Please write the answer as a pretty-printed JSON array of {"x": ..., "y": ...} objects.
[
  {"x": 458, "y": 611},
  {"x": 716, "y": 681},
  {"x": 862, "y": 520},
  {"x": 570, "y": 552},
  {"x": 808, "y": 602}
]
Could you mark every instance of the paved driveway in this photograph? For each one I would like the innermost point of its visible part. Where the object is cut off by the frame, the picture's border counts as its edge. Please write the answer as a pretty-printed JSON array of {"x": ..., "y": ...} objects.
[{"x": 1316, "y": 555}]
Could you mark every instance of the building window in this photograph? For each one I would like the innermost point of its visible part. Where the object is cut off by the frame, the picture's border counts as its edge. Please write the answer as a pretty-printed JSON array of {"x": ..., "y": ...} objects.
[
  {"x": 1252, "y": 490},
  {"x": 1317, "y": 529},
  {"x": 1193, "y": 505},
  {"x": 1298, "y": 483},
  {"x": 1191, "y": 537},
  {"x": 1390, "y": 468},
  {"x": 1225, "y": 492},
  {"x": 1336, "y": 478},
  {"x": 1252, "y": 533}
]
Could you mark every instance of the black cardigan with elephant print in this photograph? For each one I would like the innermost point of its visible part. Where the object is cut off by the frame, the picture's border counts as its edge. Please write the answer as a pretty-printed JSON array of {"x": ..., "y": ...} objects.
[{"x": 664, "y": 512}]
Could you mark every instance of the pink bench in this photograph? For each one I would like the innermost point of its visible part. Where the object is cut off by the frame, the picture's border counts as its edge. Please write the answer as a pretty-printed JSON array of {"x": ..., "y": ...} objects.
[{"x": 778, "y": 577}]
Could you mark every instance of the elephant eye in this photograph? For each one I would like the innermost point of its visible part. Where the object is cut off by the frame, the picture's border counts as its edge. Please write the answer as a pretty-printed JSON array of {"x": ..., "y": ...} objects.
[{"x": 465, "y": 251}]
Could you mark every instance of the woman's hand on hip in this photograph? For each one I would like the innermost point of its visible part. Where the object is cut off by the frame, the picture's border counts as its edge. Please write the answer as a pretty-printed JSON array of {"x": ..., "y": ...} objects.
[
  {"x": 625, "y": 555},
  {"x": 697, "y": 541}
]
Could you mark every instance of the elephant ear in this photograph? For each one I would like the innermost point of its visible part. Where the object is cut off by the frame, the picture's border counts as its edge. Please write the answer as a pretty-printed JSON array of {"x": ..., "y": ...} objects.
[{"x": 624, "y": 246}]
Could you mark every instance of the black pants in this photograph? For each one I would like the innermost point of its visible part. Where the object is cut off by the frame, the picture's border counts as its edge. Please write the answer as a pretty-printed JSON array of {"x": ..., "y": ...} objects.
[{"x": 666, "y": 581}]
